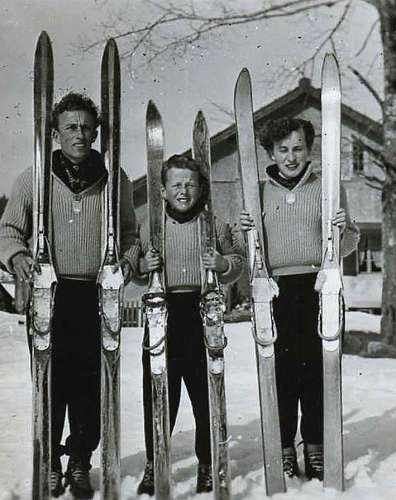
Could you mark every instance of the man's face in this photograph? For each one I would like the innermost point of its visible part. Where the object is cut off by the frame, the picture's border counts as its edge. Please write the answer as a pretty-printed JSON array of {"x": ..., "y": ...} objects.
[
  {"x": 291, "y": 154},
  {"x": 76, "y": 134},
  {"x": 182, "y": 190}
]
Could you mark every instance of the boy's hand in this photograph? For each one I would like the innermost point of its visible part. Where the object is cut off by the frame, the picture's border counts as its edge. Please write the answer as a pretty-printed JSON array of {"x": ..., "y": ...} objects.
[
  {"x": 215, "y": 261},
  {"x": 339, "y": 220},
  {"x": 151, "y": 262},
  {"x": 23, "y": 266},
  {"x": 246, "y": 221}
]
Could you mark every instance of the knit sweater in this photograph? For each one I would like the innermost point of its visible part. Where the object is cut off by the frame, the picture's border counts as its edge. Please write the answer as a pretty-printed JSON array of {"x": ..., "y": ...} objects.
[
  {"x": 182, "y": 254},
  {"x": 76, "y": 236},
  {"x": 293, "y": 225}
]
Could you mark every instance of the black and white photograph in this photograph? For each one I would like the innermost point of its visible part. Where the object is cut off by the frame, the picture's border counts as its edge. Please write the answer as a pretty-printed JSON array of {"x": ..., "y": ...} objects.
[{"x": 198, "y": 249}]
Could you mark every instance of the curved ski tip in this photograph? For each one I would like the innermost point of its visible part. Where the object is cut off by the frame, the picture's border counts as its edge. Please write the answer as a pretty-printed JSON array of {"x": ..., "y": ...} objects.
[
  {"x": 329, "y": 62},
  {"x": 110, "y": 47},
  {"x": 200, "y": 117},
  {"x": 111, "y": 44},
  {"x": 44, "y": 40},
  {"x": 152, "y": 112},
  {"x": 330, "y": 70},
  {"x": 243, "y": 78},
  {"x": 44, "y": 37},
  {"x": 44, "y": 46}
]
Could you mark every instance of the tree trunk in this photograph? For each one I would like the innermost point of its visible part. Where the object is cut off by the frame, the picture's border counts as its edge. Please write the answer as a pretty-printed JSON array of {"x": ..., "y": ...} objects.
[{"x": 387, "y": 12}]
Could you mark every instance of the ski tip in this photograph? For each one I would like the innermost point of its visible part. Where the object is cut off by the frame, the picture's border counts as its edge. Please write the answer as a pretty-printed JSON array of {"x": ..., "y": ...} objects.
[
  {"x": 199, "y": 119},
  {"x": 110, "y": 55},
  {"x": 243, "y": 83},
  {"x": 44, "y": 38},
  {"x": 44, "y": 43},
  {"x": 111, "y": 44},
  {"x": 330, "y": 70},
  {"x": 243, "y": 75},
  {"x": 152, "y": 112}
]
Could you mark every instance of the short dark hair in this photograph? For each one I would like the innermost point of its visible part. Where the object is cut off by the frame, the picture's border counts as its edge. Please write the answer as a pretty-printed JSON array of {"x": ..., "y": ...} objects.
[
  {"x": 186, "y": 162},
  {"x": 74, "y": 101},
  {"x": 277, "y": 130}
]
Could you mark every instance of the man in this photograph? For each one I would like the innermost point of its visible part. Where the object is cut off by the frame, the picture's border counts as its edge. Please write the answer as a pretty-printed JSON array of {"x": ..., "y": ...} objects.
[{"x": 79, "y": 178}]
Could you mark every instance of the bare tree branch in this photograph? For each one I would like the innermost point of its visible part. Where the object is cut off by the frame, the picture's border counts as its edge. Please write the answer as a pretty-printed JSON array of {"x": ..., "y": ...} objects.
[
  {"x": 366, "y": 40},
  {"x": 156, "y": 38},
  {"x": 368, "y": 86},
  {"x": 373, "y": 181},
  {"x": 306, "y": 67}
]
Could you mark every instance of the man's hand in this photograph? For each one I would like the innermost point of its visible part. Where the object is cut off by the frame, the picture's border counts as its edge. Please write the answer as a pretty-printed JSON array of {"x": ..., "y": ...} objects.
[
  {"x": 23, "y": 265},
  {"x": 215, "y": 261},
  {"x": 246, "y": 221}
]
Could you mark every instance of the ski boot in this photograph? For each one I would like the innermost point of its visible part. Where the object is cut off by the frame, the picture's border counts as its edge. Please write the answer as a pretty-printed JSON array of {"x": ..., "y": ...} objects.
[
  {"x": 313, "y": 456},
  {"x": 146, "y": 485},
  {"x": 77, "y": 477},
  {"x": 290, "y": 466},
  {"x": 204, "y": 478}
]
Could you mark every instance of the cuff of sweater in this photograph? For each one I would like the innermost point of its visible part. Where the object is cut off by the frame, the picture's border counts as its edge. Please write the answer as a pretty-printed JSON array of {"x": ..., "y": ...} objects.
[
  {"x": 349, "y": 240},
  {"x": 10, "y": 255},
  {"x": 133, "y": 257},
  {"x": 235, "y": 266}
]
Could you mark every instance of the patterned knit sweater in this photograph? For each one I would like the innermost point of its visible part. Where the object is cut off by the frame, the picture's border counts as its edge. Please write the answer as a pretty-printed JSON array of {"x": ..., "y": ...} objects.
[
  {"x": 76, "y": 242},
  {"x": 293, "y": 226},
  {"x": 182, "y": 254}
]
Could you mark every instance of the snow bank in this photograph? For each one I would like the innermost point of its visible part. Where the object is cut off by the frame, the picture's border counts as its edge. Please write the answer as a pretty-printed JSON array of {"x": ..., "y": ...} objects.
[{"x": 369, "y": 425}]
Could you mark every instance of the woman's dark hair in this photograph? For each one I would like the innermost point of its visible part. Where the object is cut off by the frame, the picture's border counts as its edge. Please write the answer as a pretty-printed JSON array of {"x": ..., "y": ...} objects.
[
  {"x": 277, "y": 130},
  {"x": 74, "y": 102},
  {"x": 186, "y": 162}
]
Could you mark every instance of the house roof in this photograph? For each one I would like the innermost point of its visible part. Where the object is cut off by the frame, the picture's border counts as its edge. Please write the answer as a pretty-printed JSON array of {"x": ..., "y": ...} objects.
[{"x": 292, "y": 103}]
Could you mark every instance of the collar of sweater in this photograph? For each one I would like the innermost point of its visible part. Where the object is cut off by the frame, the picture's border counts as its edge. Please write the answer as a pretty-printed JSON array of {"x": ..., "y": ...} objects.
[
  {"x": 275, "y": 177},
  {"x": 81, "y": 176},
  {"x": 182, "y": 217}
]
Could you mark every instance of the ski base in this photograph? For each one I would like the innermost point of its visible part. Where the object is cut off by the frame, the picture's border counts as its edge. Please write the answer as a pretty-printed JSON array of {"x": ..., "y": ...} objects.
[
  {"x": 264, "y": 332},
  {"x": 156, "y": 315},
  {"x": 41, "y": 311},
  {"x": 111, "y": 287},
  {"x": 212, "y": 310},
  {"x": 329, "y": 285}
]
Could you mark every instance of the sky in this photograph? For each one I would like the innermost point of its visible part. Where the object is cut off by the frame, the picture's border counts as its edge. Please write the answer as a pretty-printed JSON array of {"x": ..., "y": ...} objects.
[{"x": 179, "y": 86}]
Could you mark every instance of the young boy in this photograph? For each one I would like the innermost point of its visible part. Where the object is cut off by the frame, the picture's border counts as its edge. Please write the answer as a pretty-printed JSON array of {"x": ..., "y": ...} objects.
[
  {"x": 79, "y": 177},
  {"x": 291, "y": 208},
  {"x": 183, "y": 189}
]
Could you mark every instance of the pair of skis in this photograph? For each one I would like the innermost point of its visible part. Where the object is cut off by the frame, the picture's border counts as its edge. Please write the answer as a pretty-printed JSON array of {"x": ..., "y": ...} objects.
[
  {"x": 264, "y": 289},
  {"x": 212, "y": 309},
  {"x": 43, "y": 285}
]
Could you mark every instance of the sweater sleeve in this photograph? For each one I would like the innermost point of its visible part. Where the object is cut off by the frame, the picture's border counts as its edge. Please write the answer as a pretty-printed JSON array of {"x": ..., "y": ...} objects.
[
  {"x": 137, "y": 253},
  {"x": 16, "y": 222},
  {"x": 225, "y": 246},
  {"x": 351, "y": 235}
]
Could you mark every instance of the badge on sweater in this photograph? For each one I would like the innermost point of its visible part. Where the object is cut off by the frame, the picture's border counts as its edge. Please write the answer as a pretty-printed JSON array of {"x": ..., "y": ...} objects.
[
  {"x": 290, "y": 198},
  {"x": 77, "y": 205}
]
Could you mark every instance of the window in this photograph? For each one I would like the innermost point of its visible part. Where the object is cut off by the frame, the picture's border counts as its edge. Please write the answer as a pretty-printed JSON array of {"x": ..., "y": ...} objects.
[
  {"x": 357, "y": 156},
  {"x": 370, "y": 253}
]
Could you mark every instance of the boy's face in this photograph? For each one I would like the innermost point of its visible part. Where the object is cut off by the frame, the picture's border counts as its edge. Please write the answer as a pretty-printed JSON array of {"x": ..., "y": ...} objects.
[
  {"x": 75, "y": 134},
  {"x": 291, "y": 154},
  {"x": 182, "y": 189}
]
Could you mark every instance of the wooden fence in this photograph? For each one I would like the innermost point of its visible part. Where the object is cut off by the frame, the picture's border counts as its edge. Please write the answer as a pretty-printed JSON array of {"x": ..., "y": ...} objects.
[{"x": 132, "y": 313}]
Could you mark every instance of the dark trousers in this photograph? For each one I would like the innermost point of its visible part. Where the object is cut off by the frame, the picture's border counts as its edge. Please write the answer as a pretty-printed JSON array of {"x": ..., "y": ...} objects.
[
  {"x": 75, "y": 368},
  {"x": 186, "y": 360},
  {"x": 299, "y": 361}
]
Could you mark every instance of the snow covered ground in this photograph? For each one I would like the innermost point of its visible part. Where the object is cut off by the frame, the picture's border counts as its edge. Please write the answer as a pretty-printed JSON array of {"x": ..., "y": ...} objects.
[{"x": 369, "y": 417}]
